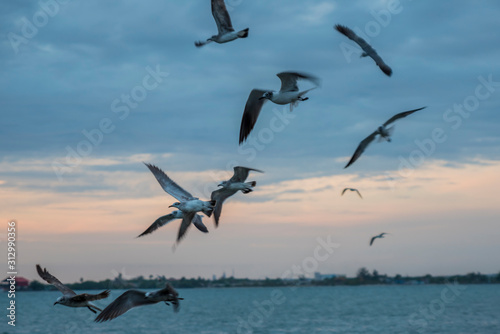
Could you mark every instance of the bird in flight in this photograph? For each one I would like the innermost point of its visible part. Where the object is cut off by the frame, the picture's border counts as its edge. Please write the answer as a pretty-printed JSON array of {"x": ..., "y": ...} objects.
[
  {"x": 134, "y": 298},
  {"x": 351, "y": 189},
  {"x": 288, "y": 94},
  {"x": 224, "y": 26},
  {"x": 178, "y": 214},
  {"x": 69, "y": 297},
  {"x": 231, "y": 187},
  {"x": 188, "y": 204},
  {"x": 368, "y": 51},
  {"x": 381, "y": 235},
  {"x": 382, "y": 131}
]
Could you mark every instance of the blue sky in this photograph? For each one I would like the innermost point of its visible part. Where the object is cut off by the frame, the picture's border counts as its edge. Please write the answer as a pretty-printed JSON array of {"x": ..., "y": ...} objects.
[{"x": 73, "y": 73}]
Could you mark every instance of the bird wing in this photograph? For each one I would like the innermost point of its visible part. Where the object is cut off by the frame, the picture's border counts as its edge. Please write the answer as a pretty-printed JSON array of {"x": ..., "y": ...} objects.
[
  {"x": 54, "y": 281},
  {"x": 221, "y": 17},
  {"x": 90, "y": 297},
  {"x": 220, "y": 196},
  {"x": 241, "y": 173},
  {"x": 343, "y": 191},
  {"x": 168, "y": 184},
  {"x": 197, "y": 221},
  {"x": 251, "y": 113},
  {"x": 122, "y": 304},
  {"x": 289, "y": 80},
  {"x": 356, "y": 190},
  {"x": 373, "y": 238},
  {"x": 365, "y": 46},
  {"x": 186, "y": 222},
  {"x": 159, "y": 223},
  {"x": 361, "y": 148},
  {"x": 401, "y": 115},
  {"x": 174, "y": 299}
]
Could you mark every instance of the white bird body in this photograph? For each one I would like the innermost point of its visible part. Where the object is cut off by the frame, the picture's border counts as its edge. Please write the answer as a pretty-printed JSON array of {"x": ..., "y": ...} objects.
[
  {"x": 194, "y": 205},
  {"x": 288, "y": 94}
]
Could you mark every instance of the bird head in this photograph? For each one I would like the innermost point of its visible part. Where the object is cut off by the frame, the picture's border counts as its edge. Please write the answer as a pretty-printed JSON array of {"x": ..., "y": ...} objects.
[
  {"x": 267, "y": 95},
  {"x": 175, "y": 205},
  {"x": 59, "y": 300},
  {"x": 222, "y": 184}
]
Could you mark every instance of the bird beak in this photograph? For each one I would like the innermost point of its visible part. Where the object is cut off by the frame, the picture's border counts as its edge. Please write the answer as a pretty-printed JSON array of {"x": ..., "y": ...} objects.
[
  {"x": 170, "y": 206},
  {"x": 219, "y": 185},
  {"x": 56, "y": 303},
  {"x": 262, "y": 97}
]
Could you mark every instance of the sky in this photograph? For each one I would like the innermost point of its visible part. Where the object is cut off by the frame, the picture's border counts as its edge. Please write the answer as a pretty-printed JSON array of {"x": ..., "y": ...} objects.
[{"x": 92, "y": 89}]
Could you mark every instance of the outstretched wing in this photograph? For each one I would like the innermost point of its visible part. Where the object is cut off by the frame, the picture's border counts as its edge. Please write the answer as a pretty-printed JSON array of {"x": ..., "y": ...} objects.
[
  {"x": 289, "y": 80},
  {"x": 128, "y": 300},
  {"x": 241, "y": 173},
  {"x": 197, "y": 221},
  {"x": 168, "y": 184},
  {"x": 361, "y": 148},
  {"x": 186, "y": 222},
  {"x": 163, "y": 220},
  {"x": 401, "y": 115},
  {"x": 221, "y": 17},
  {"x": 372, "y": 239},
  {"x": 251, "y": 113},
  {"x": 365, "y": 46},
  {"x": 220, "y": 196},
  {"x": 83, "y": 297},
  {"x": 54, "y": 281},
  {"x": 356, "y": 190},
  {"x": 343, "y": 191}
]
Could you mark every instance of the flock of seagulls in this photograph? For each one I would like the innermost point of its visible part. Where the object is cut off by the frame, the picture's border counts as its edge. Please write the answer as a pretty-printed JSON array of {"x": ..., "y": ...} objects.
[{"x": 189, "y": 207}]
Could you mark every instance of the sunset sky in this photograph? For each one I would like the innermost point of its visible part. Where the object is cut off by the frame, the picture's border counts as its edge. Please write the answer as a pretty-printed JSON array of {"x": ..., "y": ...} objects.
[{"x": 91, "y": 89}]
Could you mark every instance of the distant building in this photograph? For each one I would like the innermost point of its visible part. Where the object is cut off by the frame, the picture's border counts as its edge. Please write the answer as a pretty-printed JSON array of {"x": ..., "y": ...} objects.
[
  {"x": 319, "y": 277},
  {"x": 21, "y": 284}
]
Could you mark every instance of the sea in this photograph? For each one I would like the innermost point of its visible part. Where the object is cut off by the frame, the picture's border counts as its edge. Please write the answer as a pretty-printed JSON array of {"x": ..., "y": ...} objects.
[{"x": 444, "y": 309}]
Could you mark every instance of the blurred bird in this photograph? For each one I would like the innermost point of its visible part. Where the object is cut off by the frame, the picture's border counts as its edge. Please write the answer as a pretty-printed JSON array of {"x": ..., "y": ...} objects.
[
  {"x": 368, "y": 50},
  {"x": 382, "y": 131},
  {"x": 163, "y": 220},
  {"x": 231, "y": 187},
  {"x": 288, "y": 94},
  {"x": 381, "y": 235},
  {"x": 351, "y": 189},
  {"x": 134, "y": 298},
  {"x": 69, "y": 297},
  {"x": 224, "y": 26},
  {"x": 188, "y": 204}
]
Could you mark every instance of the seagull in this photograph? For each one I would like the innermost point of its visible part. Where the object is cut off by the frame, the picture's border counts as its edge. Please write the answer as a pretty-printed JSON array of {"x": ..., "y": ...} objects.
[
  {"x": 381, "y": 235},
  {"x": 188, "y": 204},
  {"x": 231, "y": 187},
  {"x": 69, "y": 297},
  {"x": 134, "y": 298},
  {"x": 224, "y": 26},
  {"x": 163, "y": 220},
  {"x": 288, "y": 94},
  {"x": 382, "y": 131},
  {"x": 351, "y": 189},
  {"x": 368, "y": 50}
]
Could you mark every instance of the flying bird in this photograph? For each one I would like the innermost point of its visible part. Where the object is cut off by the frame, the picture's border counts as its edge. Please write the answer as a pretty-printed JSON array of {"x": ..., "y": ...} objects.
[
  {"x": 368, "y": 50},
  {"x": 231, "y": 187},
  {"x": 69, "y": 297},
  {"x": 134, "y": 298},
  {"x": 224, "y": 26},
  {"x": 163, "y": 220},
  {"x": 351, "y": 189},
  {"x": 381, "y": 235},
  {"x": 288, "y": 94},
  {"x": 382, "y": 131},
  {"x": 188, "y": 204}
]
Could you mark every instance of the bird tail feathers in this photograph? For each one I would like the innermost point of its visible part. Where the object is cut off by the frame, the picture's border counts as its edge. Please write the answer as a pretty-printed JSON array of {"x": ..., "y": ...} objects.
[{"x": 243, "y": 33}]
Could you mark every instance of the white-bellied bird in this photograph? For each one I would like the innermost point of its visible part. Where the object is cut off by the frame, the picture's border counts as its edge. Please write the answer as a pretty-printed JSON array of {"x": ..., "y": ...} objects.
[
  {"x": 224, "y": 26},
  {"x": 288, "y": 94},
  {"x": 231, "y": 187},
  {"x": 382, "y": 131}
]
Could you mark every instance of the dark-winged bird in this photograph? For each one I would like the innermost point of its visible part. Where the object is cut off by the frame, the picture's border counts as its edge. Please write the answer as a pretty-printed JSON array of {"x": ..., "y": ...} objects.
[
  {"x": 231, "y": 187},
  {"x": 351, "y": 189},
  {"x": 224, "y": 26},
  {"x": 134, "y": 298},
  {"x": 381, "y": 235},
  {"x": 382, "y": 131},
  {"x": 69, "y": 297},
  {"x": 288, "y": 94},
  {"x": 368, "y": 50}
]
